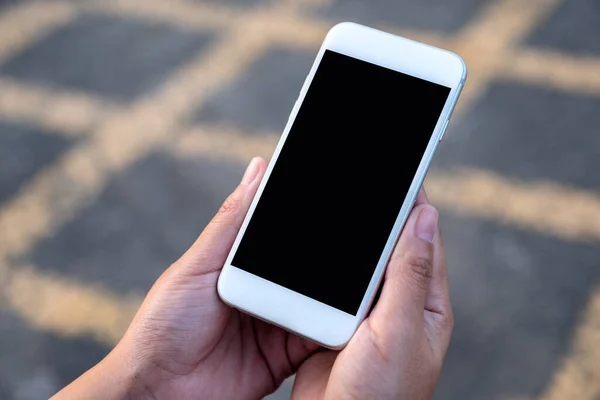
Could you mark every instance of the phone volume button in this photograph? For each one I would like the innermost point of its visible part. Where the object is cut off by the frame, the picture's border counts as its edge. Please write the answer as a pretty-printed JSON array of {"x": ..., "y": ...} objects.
[
  {"x": 294, "y": 110},
  {"x": 444, "y": 129},
  {"x": 458, "y": 91}
]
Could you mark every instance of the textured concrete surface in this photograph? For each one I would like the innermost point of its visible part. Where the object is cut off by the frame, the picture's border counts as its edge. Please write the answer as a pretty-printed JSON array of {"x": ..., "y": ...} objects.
[
  {"x": 262, "y": 97},
  {"x": 516, "y": 297},
  {"x": 149, "y": 215},
  {"x": 177, "y": 100},
  {"x": 574, "y": 27},
  {"x": 530, "y": 133},
  {"x": 109, "y": 56},
  {"x": 23, "y": 152},
  {"x": 34, "y": 364},
  {"x": 435, "y": 15}
]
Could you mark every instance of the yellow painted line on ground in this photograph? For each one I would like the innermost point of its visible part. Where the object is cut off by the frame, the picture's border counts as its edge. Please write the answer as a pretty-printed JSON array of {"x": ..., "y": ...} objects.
[
  {"x": 502, "y": 24},
  {"x": 225, "y": 142},
  {"x": 578, "y": 74},
  {"x": 486, "y": 43},
  {"x": 430, "y": 38},
  {"x": 25, "y": 22},
  {"x": 546, "y": 207},
  {"x": 65, "y": 113},
  {"x": 300, "y": 5},
  {"x": 69, "y": 308},
  {"x": 579, "y": 376},
  {"x": 195, "y": 15},
  {"x": 52, "y": 197},
  {"x": 295, "y": 32},
  {"x": 298, "y": 30},
  {"x": 291, "y": 31}
]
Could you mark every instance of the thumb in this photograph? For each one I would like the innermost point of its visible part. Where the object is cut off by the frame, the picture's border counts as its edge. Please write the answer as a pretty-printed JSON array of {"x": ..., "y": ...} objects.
[
  {"x": 409, "y": 271},
  {"x": 210, "y": 250}
]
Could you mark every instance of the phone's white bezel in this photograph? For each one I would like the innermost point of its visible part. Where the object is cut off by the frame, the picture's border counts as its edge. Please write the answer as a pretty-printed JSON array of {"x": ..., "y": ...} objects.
[{"x": 291, "y": 310}]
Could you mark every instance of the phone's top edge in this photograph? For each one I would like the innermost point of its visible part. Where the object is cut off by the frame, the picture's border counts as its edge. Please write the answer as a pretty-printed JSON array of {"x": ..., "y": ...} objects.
[
  {"x": 341, "y": 25},
  {"x": 355, "y": 25}
]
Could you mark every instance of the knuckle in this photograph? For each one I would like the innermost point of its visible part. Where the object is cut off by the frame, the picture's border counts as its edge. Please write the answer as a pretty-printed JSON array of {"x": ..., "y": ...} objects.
[
  {"x": 443, "y": 332},
  {"x": 444, "y": 324},
  {"x": 419, "y": 269},
  {"x": 378, "y": 343},
  {"x": 447, "y": 322},
  {"x": 231, "y": 206}
]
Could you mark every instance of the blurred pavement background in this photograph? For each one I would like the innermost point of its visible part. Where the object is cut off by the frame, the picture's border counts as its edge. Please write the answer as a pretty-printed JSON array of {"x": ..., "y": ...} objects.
[{"x": 125, "y": 123}]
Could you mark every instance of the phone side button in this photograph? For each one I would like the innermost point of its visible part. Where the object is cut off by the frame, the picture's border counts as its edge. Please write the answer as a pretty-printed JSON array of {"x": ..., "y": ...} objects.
[
  {"x": 444, "y": 129},
  {"x": 296, "y": 105}
]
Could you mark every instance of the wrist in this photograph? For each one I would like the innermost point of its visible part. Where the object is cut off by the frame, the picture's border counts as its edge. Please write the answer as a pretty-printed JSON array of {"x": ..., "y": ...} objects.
[
  {"x": 127, "y": 376},
  {"x": 110, "y": 379}
]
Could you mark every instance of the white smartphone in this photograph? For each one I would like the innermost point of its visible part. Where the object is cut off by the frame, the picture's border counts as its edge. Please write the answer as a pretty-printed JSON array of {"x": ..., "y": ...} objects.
[{"x": 314, "y": 245}]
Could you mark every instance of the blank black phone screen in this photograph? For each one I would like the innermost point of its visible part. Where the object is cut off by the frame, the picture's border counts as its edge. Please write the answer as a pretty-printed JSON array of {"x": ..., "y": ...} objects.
[{"x": 339, "y": 182}]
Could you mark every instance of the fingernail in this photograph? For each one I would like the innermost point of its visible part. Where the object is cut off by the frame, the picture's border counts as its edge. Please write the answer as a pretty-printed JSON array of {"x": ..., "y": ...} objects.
[
  {"x": 427, "y": 223},
  {"x": 251, "y": 171}
]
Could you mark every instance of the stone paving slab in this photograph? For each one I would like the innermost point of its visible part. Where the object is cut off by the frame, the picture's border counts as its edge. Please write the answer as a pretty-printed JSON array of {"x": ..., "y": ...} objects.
[
  {"x": 109, "y": 56},
  {"x": 529, "y": 133},
  {"x": 35, "y": 365},
  {"x": 505, "y": 281},
  {"x": 24, "y": 151},
  {"x": 263, "y": 96},
  {"x": 573, "y": 27}
]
